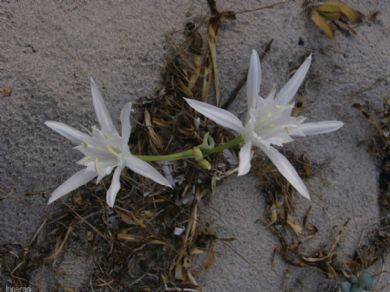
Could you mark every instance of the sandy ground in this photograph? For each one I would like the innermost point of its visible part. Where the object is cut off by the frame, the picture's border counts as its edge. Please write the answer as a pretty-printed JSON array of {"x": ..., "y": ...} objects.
[{"x": 49, "y": 48}]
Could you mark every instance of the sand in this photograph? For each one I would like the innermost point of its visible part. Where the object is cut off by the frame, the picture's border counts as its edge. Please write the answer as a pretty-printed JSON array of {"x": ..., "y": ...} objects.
[{"x": 49, "y": 48}]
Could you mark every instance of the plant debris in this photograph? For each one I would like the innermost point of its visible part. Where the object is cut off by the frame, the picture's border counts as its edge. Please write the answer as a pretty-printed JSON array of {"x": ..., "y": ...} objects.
[
  {"x": 4, "y": 92},
  {"x": 136, "y": 245},
  {"x": 332, "y": 14},
  {"x": 293, "y": 233}
]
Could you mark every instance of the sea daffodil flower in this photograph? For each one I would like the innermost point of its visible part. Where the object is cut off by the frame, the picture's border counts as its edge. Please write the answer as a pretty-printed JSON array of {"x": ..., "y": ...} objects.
[
  {"x": 268, "y": 121},
  {"x": 104, "y": 150}
]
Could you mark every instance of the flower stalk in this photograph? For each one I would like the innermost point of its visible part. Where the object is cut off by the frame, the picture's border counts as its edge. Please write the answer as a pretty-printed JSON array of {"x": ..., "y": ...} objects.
[{"x": 190, "y": 153}]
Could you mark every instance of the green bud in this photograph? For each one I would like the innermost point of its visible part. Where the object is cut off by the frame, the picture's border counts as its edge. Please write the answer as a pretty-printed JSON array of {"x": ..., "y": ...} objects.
[
  {"x": 198, "y": 155},
  {"x": 208, "y": 142},
  {"x": 204, "y": 164}
]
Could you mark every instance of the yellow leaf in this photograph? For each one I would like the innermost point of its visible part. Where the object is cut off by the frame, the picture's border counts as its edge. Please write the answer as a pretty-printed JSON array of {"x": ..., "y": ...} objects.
[
  {"x": 156, "y": 241},
  {"x": 196, "y": 251},
  {"x": 351, "y": 14},
  {"x": 294, "y": 226},
  {"x": 123, "y": 235},
  {"x": 345, "y": 9},
  {"x": 329, "y": 11},
  {"x": 320, "y": 22},
  {"x": 210, "y": 257}
]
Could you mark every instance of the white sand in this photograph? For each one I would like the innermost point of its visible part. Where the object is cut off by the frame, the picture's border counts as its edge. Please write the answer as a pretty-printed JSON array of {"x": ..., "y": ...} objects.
[{"x": 48, "y": 49}]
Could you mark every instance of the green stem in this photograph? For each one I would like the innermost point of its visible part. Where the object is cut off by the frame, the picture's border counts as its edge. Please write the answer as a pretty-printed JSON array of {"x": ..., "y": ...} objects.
[
  {"x": 189, "y": 153},
  {"x": 230, "y": 144},
  {"x": 173, "y": 156}
]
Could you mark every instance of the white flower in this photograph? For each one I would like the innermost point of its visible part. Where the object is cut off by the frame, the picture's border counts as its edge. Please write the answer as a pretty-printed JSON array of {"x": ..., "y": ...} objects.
[
  {"x": 269, "y": 121},
  {"x": 104, "y": 150}
]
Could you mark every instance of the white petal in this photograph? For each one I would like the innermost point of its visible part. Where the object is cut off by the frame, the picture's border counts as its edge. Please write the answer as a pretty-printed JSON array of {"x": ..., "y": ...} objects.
[
  {"x": 94, "y": 152},
  {"x": 166, "y": 167},
  {"x": 103, "y": 168},
  {"x": 125, "y": 121},
  {"x": 101, "y": 111},
  {"x": 114, "y": 187},
  {"x": 288, "y": 91},
  {"x": 272, "y": 93},
  {"x": 279, "y": 139},
  {"x": 222, "y": 117},
  {"x": 245, "y": 159},
  {"x": 68, "y": 132},
  {"x": 145, "y": 169},
  {"x": 320, "y": 127},
  {"x": 75, "y": 181},
  {"x": 286, "y": 169},
  {"x": 253, "y": 80}
]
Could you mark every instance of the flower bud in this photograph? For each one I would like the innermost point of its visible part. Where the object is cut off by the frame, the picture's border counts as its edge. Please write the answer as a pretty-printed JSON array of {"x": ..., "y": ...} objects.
[
  {"x": 204, "y": 164},
  {"x": 198, "y": 155}
]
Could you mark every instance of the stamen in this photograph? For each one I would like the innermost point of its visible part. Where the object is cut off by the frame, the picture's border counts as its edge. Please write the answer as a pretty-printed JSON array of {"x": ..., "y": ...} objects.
[
  {"x": 97, "y": 165},
  {"x": 111, "y": 150},
  {"x": 84, "y": 159}
]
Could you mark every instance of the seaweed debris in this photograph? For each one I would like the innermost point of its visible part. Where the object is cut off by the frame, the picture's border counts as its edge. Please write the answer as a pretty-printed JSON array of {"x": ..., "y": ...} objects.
[
  {"x": 292, "y": 233},
  {"x": 149, "y": 240}
]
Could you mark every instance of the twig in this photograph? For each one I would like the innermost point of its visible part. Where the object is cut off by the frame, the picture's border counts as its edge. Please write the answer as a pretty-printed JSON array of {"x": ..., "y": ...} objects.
[{"x": 262, "y": 7}]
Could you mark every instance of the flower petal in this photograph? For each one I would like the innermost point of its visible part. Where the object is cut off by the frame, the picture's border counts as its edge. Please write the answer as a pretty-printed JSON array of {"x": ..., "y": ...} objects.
[
  {"x": 288, "y": 91},
  {"x": 320, "y": 127},
  {"x": 272, "y": 93},
  {"x": 253, "y": 80},
  {"x": 125, "y": 121},
  {"x": 75, "y": 181},
  {"x": 101, "y": 111},
  {"x": 68, "y": 132},
  {"x": 103, "y": 168},
  {"x": 114, "y": 187},
  {"x": 220, "y": 116},
  {"x": 245, "y": 158},
  {"x": 286, "y": 169},
  {"x": 145, "y": 169}
]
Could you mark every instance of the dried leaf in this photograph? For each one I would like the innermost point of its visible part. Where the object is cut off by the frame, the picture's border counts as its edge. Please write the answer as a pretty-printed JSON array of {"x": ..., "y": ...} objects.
[
  {"x": 213, "y": 56},
  {"x": 294, "y": 226},
  {"x": 196, "y": 251},
  {"x": 124, "y": 235},
  {"x": 130, "y": 218},
  {"x": 77, "y": 198},
  {"x": 373, "y": 17},
  {"x": 179, "y": 272},
  {"x": 210, "y": 256},
  {"x": 196, "y": 72},
  {"x": 345, "y": 9},
  {"x": 344, "y": 26},
  {"x": 352, "y": 15},
  {"x": 321, "y": 23},
  {"x": 272, "y": 214},
  {"x": 154, "y": 137},
  {"x": 90, "y": 235},
  {"x": 5, "y": 92},
  {"x": 330, "y": 11}
]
